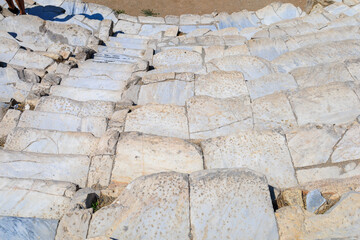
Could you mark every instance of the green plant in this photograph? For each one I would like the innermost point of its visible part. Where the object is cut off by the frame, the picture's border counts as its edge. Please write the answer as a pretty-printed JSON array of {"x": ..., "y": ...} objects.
[
  {"x": 149, "y": 12},
  {"x": 119, "y": 11},
  {"x": 95, "y": 206}
]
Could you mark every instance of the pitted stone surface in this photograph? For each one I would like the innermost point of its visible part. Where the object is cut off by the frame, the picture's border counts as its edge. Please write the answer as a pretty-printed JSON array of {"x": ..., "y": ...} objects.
[
  {"x": 348, "y": 147},
  {"x": 162, "y": 120},
  {"x": 228, "y": 203},
  {"x": 142, "y": 154},
  {"x": 265, "y": 152},
  {"x": 221, "y": 85},
  {"x": 175, "y": 57},
  {"x": 146, "y": 204}
]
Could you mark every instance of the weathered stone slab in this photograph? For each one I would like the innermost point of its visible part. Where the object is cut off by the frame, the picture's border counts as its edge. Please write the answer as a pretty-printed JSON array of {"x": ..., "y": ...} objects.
[
  {"x": 46, "y": 141},
  {"x": 348, "y": 147},
  {"x": 229, "y": 203},
  {"x": 8, "y": 123},
  {"x": 125, "y": 41},
  {"x": 100, "y": 171},
  {"x": 269, "y": 84},
  {"x": 333, "y": 172},
  {"x": 162, "y": 120},
  {"x": 80, "y": 109},
  {"x": 168, "y": 92},
  {"x": 321, "y": 74},
  {"x": 94, "y": 83},
  {"x": 329, "y": 104},
  {"x": 62, "y": 122},
  {"x": 29, "y": 59},
  {"x": 268, "y": 49},
  {"x": 221, "y": 85},
  {"x": 151, "y": 30},
  {"x": 127, "y": 27},
  {"x": 146, "y": 204},
  {"x": 74, "y": 225},
  {"x": 175, "y": 57},
  {"x": 141, "y": 154},
  {"x": 213, "y": 117},
  {"x": 312, "y": 145},
  {"x": 86, "y": 94},
  {"x": 44, "y": 166},
  {"x": 273, "y": 112},
  {"x": 48, "y": 199},
  {"x": 251, "y": 67},
  {"x": 27, "y": 228},
  {"x": 265, "y": 152},
  {"x": 8, "y": 49},
  {"x": 353, "y": 66},
  {"x": 318, "y": 54}
]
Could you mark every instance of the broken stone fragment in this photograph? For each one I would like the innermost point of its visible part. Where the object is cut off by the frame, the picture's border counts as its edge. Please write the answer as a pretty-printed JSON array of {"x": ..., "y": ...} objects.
[
  {"x": 290, "y": 197},
  {"x": 314, "y": 200}
]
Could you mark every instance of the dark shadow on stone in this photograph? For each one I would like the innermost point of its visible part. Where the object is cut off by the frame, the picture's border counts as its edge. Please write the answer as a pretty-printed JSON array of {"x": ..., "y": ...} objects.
[
  {"x": 46, "y": 12},
  {"x": 273, "y": 198},
  {"x": 14, "y": 35},
  {"x": 96, "y": 16}
]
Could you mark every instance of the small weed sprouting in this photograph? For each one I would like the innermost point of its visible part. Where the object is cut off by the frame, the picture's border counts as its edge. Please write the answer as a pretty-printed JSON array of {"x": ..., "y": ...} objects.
[
  {"x": 149, "y": 13},
  {"x": 119, "y": 11},
  {"x": 95, "y": 206}
]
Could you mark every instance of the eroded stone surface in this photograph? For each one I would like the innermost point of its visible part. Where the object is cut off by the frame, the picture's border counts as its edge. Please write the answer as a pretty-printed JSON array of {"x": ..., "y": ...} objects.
[
  {"x": 265, "y": 152},
  {"x": 229, "y": 203},
  {"x": 330, "y": 104},
  {"x": 162, "y": 120},
  {"x": 146, "y": 204},
  {"x": 142, "y": 154}
]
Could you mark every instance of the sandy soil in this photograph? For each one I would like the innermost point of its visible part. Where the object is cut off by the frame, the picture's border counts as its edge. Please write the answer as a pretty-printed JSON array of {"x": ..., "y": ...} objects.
[{"x": 178, "y": 7}]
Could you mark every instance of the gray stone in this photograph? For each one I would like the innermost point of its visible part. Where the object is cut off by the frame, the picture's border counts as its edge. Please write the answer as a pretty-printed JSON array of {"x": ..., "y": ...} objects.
[
  {"x": 46, "y": 141},
  {"x": 152, "y": 30},
  {"x": 268, "y": 49},
  {"x": 162, "y": 120},
  {"x": 8, "y": 123},
  {"x": 48, "y": 199},
  {"x": 314, "y": 200},
  {"x": 62, "y": 122},
  {"x": 8, "y": 49},
  {"x": 100, "y": 171},
  {"x": 273, "y": 112},
  {"x": 154, "y": 154},
  {"x": 265, "y": 152},
  {"x": 74, "y": 225},
  {"x": 321, "y": 74},
  {"x": 80, "y": 109},
  {"x": 271, "y": 83},
  {"x": 348, "y": 147},
  {"x": 251, "y": 67},
  {"x": 212, "y": 117},
  {"x": 127, "y": 27},
  {"x": 229, "y": 203},
  {"x": 44, "y": 166},
  {"x": 221, "y": 85},
  {"x": 146, "y": 204},
  {"x": 169, "y": 92},
  {"x": 329, "y": 104},
  {"x": 312, "y": 145},
  {"x": 16, "y": 228},
  {"x": 31, "y": 60},
  {"x": 174, "y": 57}
]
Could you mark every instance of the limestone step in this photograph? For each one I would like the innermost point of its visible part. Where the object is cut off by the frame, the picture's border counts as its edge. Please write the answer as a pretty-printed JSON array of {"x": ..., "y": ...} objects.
[
  {"x": 77, "y": 108},
  {"x": 86, "y": 94},
  {"x": 129, "y": 43},
  {"x": 116, "y": 50},
  {"x": 69, "y": 168},
  {"x": 62, "y": 122},
  {"x": 12, "y": 87},
  {"x": 94, "y": 83},
  {"x": 102, "y": 67},
  {"x": 99, "y": 73},
  {"x": 180, "y": 199},
  {"x": 32, "y": 228},
  {"x": 114, "y": 58},
  {"x": 53, "y": 142},
  {"x": 35, "y": 198}
]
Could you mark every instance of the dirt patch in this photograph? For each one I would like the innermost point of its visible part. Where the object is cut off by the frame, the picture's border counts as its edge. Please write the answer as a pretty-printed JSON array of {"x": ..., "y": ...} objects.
[{"x": 178, "y": 7}]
